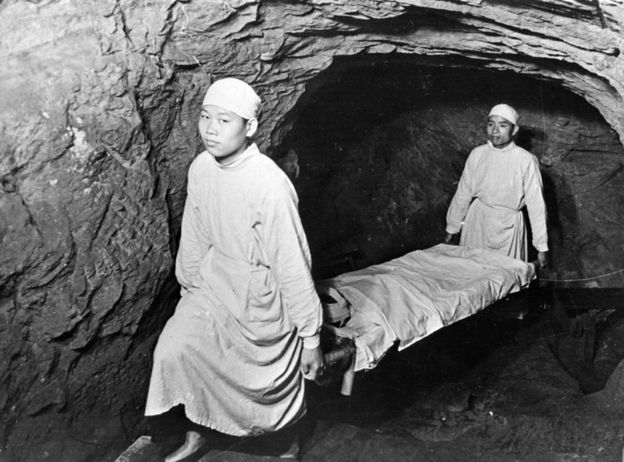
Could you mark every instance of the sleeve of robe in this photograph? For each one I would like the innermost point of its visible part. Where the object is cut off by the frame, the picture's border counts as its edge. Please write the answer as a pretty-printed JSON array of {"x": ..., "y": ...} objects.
[
  {"x": 194, "y": 243},
  {"x": 289, "y": 258},
  {"x": 461, "y": 200},
  {"x": 536, "y": 207}
]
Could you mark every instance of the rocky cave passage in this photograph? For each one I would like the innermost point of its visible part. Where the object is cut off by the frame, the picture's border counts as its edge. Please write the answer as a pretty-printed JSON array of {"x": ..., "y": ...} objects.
[
  {"x": 98, "y": 107},
  {"x": 381, "y": 142}
]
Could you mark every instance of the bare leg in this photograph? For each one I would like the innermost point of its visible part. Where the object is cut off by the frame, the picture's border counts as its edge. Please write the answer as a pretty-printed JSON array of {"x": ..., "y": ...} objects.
[{"x": 193, "y": 443}]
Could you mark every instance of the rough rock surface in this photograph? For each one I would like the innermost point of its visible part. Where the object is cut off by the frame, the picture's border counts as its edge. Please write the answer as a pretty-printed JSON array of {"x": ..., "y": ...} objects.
[{"x": 98, "y": 103}]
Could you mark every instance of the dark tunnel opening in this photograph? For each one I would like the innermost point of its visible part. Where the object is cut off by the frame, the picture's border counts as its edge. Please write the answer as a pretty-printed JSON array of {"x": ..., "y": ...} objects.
[{"x": 380, "y": 144}]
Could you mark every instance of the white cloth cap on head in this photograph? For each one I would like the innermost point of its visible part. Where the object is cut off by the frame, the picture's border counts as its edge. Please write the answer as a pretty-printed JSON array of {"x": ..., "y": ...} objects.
[
  {"x": 506, "y": 112},
  {"x": 234, "y": 95}
]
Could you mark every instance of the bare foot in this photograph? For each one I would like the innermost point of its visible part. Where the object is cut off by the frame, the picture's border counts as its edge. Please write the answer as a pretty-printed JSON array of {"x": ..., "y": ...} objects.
[
  {"x": 293, "y": 451},
  {"x": 193, "y": 443}
]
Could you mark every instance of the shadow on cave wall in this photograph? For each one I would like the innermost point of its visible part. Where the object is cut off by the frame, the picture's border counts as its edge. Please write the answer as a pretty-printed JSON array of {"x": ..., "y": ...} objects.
[{"x": 381, "y": 143}]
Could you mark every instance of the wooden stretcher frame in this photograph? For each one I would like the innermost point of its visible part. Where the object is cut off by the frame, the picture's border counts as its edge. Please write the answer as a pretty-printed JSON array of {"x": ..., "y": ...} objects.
[
  {"x": 343, "y": 355},
  {"x": 340, "y": 357}
]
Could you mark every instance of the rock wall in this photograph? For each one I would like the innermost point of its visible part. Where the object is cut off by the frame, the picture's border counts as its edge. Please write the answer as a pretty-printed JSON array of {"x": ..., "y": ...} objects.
[{"x": 98, "y": 104}]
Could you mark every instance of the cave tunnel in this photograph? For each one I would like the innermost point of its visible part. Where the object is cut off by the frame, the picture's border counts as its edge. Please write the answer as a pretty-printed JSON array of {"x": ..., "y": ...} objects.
[
  {"x": 371, "y": 108},
  {"x": 381, "y": 143}
]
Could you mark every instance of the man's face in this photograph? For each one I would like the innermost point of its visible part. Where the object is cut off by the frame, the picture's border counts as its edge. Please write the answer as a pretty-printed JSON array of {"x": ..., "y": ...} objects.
[
  {"x": 223, "y": 132},
  {"x": 500, "y": 131}
]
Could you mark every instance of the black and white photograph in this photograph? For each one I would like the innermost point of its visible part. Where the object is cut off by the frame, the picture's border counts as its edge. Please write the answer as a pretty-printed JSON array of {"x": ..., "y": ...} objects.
[{"x": 312, "y": 230}]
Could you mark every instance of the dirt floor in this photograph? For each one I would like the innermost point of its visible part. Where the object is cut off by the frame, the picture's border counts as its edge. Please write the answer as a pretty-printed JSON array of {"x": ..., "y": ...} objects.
[{"x": 507, "y": 384}]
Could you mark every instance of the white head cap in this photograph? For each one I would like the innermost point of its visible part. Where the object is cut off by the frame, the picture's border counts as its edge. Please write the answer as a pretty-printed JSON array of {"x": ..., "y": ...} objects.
[
  {"x": 506, "y": 112},
  {"x": 234, "y": 95}
]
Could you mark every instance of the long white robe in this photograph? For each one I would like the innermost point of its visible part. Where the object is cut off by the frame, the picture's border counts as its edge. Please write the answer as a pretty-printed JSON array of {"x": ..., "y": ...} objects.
[
  {"x": 231, "y": 352},
  {"x": 487, "y": 207}
]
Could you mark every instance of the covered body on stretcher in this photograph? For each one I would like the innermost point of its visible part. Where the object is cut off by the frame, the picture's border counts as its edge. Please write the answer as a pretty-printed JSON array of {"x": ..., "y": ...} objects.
[{"x": 410, "y": 297}]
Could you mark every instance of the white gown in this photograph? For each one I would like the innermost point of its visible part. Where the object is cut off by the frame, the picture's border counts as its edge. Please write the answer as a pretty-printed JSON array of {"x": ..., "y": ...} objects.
[
  {"x": 494, "y": 187},
  {"x": 231, "y": 352}
]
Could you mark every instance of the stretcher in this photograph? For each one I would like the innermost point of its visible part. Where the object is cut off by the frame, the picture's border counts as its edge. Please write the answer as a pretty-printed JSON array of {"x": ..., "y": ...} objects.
[{"x": 408, "y": 298}]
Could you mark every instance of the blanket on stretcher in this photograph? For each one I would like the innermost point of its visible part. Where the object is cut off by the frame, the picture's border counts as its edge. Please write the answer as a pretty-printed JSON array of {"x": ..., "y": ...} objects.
[{"x": 410, "y": 297}]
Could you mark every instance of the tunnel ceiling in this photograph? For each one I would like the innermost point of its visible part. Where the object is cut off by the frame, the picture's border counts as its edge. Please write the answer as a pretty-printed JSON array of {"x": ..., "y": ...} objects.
[{"x": 98, "y": 107}]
